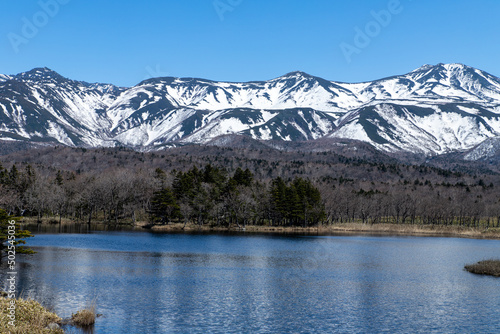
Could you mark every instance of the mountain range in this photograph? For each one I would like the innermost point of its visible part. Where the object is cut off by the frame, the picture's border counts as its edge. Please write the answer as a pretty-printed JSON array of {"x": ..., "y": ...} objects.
[{"x": 433, "y": 110}]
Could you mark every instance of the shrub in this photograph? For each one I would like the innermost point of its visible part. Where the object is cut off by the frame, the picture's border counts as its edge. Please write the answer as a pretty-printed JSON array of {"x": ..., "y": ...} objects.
[
  {"x": 85, "y": 317},
  {"x": 486, "y": 267},
  {"x": 31, "y": 317}
]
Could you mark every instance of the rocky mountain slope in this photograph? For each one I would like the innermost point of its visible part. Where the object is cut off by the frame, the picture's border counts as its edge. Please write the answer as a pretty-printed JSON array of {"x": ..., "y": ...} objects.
[{"x": 431, "y": 110}]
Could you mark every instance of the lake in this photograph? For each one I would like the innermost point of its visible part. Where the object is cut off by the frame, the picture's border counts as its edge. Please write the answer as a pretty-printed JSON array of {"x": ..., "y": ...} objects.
[{"x": 209, "y": 283}]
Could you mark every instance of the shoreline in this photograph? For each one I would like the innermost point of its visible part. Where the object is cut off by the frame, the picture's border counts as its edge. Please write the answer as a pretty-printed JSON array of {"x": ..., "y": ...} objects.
[
  {"x": 339, "y": 229},
  {"x": 347, "y": 229}
]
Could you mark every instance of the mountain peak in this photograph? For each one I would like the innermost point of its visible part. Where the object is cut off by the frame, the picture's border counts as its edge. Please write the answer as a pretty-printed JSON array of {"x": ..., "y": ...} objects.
[
  {"x": 40, "y": 73},
  {"x": 441, "y": 67},
  {"x": 297, "y": 74}
]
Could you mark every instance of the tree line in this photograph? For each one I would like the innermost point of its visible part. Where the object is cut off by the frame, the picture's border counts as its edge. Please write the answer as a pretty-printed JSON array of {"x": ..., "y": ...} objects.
[
  {"x": 209, "y": 195},
  {"x": 219, "y": 196}
]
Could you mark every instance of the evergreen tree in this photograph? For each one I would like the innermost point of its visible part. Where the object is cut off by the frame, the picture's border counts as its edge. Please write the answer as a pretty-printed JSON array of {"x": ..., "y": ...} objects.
[
  {"x": 19, "y": 236},
  {"x": 164, "y": 206},
  {"x": 13, "y": 178},
  {"x": 278, "y": 197},
  {"x": 160, "y": 176},
  {"x": 243, "y": 178},
  {"x": 214, "y": 176},
  {"x": 59, "y": 178},
  {"x": 298, "y": 203}
]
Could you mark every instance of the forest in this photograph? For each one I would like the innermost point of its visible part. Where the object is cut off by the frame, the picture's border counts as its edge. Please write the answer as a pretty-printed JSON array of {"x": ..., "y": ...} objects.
[{"x": 238, "y": 187}]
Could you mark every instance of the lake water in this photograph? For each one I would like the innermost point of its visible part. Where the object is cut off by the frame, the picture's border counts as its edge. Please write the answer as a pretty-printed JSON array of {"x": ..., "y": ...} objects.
[{"x": 181, "y": 283}]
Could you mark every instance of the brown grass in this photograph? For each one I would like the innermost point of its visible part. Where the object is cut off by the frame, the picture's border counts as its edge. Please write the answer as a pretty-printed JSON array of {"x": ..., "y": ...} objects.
[
  {"x": 344, "y": 229},
  {"x": 85, "y": 317},
  {"x": 486, "y": 267},
  {"x": 31, "y": 317}
]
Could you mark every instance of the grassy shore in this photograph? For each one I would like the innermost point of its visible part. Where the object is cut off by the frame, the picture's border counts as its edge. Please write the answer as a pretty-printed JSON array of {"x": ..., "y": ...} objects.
[
  {"x": 334, "y": 229},
  {"x": 343, "y": 229},
  {"x": 30, "y": 317}
]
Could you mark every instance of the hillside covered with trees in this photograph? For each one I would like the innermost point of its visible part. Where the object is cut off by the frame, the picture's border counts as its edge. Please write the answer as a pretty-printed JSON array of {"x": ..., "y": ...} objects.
[{"x": 236, "y": 187}]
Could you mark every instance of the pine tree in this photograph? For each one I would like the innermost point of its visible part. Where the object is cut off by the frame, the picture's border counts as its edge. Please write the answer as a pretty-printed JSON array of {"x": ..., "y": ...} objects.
[
  {"x": 164, "y": 206},
  {"x": 160, "y": 176},
  {"x": 243, "y": 178},
  {"x": 278, "y": 197},
  {"x": 13, "y": 178},
  {"x": 6, "y": 240},
  {"x": 59, "y": 178}
]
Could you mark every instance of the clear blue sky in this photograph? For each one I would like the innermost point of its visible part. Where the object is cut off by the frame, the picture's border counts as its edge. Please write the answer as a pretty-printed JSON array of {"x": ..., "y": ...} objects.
[{"x": 123, "y": 42}]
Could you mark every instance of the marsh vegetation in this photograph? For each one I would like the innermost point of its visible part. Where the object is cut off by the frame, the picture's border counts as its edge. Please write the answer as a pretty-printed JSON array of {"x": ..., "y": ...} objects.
[{"x": 486, "y": 267}]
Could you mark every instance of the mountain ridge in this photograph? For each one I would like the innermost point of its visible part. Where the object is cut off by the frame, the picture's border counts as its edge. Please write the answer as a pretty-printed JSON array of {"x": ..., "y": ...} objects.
[{"x": 434, "y": 109}]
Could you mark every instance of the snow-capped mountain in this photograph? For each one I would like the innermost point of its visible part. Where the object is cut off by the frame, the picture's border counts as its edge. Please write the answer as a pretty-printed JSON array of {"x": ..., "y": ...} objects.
[
  {"x": 431, "y": 110},
  {"x": 4, "y": 77},
  {"x": 41, "y": 105}
]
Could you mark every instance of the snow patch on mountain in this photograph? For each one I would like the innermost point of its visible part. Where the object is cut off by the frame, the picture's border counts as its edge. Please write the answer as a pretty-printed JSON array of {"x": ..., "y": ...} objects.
[
  {"x": 485, "y": 150},
  {"x": 4, "y": 77},
  {"x": 434, "y": 109}
]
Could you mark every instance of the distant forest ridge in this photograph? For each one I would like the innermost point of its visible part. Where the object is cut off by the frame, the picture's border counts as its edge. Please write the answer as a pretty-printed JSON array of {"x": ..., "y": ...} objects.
[{"x": 225, "y": 186}]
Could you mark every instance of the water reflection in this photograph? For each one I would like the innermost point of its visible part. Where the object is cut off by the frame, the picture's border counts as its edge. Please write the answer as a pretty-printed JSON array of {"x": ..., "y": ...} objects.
[{"x": 151, "y": 283}]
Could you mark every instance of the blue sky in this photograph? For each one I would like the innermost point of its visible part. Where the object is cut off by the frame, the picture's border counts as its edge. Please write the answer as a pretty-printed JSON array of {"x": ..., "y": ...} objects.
[{"x": 124, "y": 42}]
